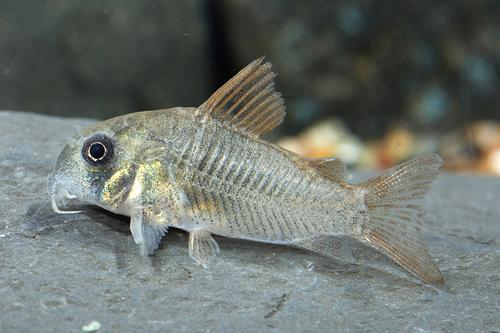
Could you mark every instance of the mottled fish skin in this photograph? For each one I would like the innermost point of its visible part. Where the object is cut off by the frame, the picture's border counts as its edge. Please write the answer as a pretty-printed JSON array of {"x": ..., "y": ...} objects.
[
  {"x": 226, "y": 182},
  {"x": 207, "y": 171}
]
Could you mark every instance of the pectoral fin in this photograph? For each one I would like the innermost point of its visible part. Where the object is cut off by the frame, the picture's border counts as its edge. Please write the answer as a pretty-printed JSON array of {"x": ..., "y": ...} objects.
[
  {"x": 202, "y": 247},
  {"x": 146, "y": 232}
]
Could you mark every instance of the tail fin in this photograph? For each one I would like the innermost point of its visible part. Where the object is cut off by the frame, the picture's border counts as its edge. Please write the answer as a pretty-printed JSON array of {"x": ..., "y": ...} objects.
[{"x": 392, "y": 199}]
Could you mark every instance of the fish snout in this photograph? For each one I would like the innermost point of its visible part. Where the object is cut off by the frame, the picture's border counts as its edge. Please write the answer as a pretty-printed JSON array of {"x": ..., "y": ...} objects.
[{"x": 63, "y": 201}]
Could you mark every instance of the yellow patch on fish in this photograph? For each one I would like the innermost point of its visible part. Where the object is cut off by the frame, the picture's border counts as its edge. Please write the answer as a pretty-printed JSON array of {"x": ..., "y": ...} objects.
[{"x": 115, "y": 189}]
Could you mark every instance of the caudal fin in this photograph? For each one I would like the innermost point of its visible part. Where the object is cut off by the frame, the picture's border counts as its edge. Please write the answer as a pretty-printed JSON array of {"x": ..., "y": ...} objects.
[{"x": 394, "y": 211}]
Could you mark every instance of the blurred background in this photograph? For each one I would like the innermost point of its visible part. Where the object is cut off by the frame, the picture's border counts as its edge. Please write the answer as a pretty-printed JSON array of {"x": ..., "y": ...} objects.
[{"x": 371, "y": 82}]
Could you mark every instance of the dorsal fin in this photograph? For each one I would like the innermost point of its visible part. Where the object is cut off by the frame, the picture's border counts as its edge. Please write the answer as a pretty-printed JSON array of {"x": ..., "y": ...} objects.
[
  {"x": 329, "y": 167},
  {"x": 248, "y": 101}
]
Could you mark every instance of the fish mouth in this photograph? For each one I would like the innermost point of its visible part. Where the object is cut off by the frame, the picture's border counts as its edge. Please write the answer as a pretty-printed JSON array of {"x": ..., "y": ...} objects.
[
  {"x": 68, "y": 197},
  {"x": 64, "y": 202}
]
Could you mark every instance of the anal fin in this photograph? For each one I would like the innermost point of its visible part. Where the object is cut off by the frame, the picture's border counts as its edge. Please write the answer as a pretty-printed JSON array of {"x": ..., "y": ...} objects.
[
  {"x": 346, "y": 249},
  {"x": 330, "y": 246}
]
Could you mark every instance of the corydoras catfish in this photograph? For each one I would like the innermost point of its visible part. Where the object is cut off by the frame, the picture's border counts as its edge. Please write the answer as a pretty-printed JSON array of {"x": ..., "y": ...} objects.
[{"x": 207, "y": 171}]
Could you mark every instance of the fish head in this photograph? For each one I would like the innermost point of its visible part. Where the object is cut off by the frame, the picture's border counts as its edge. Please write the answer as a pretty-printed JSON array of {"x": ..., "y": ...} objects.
[{"x": 94, "y": 168}]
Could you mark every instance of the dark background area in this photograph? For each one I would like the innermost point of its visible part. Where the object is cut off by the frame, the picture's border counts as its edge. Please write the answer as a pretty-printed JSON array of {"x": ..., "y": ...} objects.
[{"x": 427, "y": 66}]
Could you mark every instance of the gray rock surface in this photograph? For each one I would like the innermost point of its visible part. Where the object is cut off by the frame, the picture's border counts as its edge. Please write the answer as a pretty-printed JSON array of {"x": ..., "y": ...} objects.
[{"x": 60, "y": 272}]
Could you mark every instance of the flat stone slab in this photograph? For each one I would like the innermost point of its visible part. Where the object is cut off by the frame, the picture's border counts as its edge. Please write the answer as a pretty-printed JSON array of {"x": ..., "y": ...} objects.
[{"x": 61, "y": 272}]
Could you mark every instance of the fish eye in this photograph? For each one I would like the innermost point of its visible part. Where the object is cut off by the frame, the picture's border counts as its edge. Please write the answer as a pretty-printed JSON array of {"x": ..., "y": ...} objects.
[{"x": 97, "y": 149}]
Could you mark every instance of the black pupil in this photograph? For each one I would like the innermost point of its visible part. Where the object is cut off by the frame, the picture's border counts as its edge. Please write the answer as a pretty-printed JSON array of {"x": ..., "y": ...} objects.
[{"x": 97, "y": 150}]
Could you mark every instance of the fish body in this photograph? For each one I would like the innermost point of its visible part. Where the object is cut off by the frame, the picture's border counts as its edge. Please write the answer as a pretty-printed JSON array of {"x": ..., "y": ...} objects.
[{"x": 207, "y": 171}]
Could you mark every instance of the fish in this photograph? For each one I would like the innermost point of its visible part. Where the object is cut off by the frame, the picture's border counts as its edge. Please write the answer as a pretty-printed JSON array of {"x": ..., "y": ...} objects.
[{"x": 208, "y": 171}]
